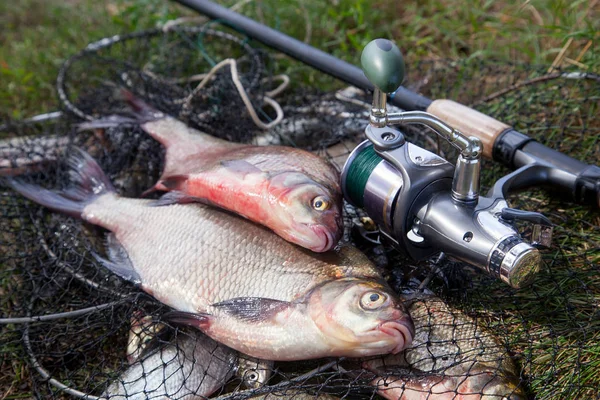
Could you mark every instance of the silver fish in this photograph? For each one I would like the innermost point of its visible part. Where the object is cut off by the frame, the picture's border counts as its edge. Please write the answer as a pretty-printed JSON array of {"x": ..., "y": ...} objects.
[
  {"x": 293, "y": 394},
  {"x": 291, "y": 191},
  {"x": 193, "y": 367},
  {"x": 239, "y": 283},
  {"x": 254, "y": 372},
  {"x": 142, "y": 332},
  {"x": 451, "y": 357}
]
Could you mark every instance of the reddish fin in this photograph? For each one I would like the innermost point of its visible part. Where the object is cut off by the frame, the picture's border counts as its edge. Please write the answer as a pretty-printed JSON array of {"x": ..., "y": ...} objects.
[
  {"x": 174, "y": 182},
  {"x": 198, "y": 321},
  {"x": 175, "y": 197},
  {"x": 140, "y": 107},
  {"x": 149, "y": 191}
]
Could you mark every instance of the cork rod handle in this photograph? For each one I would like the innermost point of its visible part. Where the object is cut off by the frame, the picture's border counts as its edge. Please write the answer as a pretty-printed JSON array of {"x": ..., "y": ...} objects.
[{"x": 469, "y": 121}]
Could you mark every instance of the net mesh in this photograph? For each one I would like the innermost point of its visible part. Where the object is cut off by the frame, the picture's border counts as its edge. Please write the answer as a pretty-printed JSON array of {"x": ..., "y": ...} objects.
[{"x": 70, "y": 328}]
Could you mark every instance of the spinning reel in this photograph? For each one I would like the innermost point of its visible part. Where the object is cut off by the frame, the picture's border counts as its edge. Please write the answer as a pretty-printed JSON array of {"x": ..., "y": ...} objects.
[{"x": 422, "y": 203}]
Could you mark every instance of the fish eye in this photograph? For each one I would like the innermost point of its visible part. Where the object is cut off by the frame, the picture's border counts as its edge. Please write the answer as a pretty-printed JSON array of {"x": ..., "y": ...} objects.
[
  {"x": 372, "y": 300},
  {"x": 320, "y": 203},
  {"x": 252, "y": 376}
]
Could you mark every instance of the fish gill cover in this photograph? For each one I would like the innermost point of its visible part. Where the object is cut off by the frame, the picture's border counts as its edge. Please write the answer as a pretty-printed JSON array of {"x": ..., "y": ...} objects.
[{"x": 68, "y": 327}]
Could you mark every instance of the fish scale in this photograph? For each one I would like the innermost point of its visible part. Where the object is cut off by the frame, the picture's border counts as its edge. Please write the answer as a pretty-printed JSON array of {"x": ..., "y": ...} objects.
[
  {"x": 208, "y": 260},
  {"x": 452, "y": 357}
]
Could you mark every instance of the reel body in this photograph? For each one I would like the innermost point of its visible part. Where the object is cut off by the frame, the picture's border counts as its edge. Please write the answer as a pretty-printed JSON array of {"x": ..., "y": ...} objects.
[{"x": 424, "y": 205}]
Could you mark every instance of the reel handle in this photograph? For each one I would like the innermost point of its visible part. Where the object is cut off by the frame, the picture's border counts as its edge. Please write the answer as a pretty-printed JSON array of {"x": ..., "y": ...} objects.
[{"x": 383, "y": 65}]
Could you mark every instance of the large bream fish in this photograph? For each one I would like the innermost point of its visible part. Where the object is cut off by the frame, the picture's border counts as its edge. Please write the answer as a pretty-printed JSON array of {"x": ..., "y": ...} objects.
[
  {"x": 452, "y": 357},
  {"x": 236, "y": 281},
  {"x": 291, "y": 191}
]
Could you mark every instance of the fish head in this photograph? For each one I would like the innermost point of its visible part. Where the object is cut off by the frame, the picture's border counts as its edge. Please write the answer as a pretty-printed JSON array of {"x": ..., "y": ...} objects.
[
  {"x": 306, "y": 212},
  {"x": 491, "y": 384},
  {"x": 253, "y": 372},
  {"x": 361, "y": 317}
]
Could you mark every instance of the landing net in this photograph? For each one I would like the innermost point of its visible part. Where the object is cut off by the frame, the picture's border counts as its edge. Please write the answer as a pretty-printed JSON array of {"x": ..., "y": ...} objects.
[{"x": 70, "y": 328}]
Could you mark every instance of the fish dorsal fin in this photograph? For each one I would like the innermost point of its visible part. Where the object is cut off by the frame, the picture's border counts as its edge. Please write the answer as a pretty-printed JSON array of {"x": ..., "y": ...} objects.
[
  {"x": 252, "y": 309},
  {"x": 241, "y": 167}
]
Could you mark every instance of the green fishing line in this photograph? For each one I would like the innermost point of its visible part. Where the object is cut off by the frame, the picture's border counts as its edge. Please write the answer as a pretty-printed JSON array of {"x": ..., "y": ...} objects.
[{"x": 358, "y": 174}]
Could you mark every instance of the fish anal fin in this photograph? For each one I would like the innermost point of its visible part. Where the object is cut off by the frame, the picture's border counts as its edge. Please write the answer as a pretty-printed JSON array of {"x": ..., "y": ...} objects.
[
  {"x": 196, "y": 320},
  {"x": 252, "y": 309}
]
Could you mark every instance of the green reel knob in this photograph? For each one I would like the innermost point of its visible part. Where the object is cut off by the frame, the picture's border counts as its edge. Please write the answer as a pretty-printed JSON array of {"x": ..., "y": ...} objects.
[{"x": 383, "y": 64}]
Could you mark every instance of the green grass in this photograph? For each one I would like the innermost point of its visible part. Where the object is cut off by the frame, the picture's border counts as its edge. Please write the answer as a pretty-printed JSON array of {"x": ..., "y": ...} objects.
[{"x": 38, "y": 35}]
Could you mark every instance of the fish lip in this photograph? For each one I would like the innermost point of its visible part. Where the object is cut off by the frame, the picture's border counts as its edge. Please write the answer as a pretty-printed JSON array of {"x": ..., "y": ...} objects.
[
  {"x": 402, "y": 330},
  {"x": 324, "y": 235}
]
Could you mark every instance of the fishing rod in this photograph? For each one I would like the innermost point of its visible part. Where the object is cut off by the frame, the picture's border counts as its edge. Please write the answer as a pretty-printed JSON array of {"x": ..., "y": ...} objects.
[
  {"x": 500, "y": 141},
  {"x": 422, "y": 203}
]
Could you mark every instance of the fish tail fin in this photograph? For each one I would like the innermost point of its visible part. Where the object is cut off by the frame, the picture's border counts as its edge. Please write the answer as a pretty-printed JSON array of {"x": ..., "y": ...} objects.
[
  {"x": 139, "y": 113},
  {"x": 88, "y": 182},
  {"x": 142, "y": 110}
]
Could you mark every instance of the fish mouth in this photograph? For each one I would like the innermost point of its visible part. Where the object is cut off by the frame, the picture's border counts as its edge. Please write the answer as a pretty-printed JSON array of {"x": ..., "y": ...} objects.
[
  {"x": 401, "y": 330},
  {"x": 326, "y": 239}
]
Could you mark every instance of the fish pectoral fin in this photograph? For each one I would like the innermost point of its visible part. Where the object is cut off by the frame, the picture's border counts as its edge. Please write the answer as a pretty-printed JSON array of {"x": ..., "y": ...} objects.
[
  {"x": 175, "y": 197},
  {"x": 241, "y": 167},
  {"x": 148, "y": 192},
  {"x": 124, "y": 268},
  {"x": 173, "y": 182},
  {"x": 196, "y": 320},
  {"x": 252, "y": 309}
]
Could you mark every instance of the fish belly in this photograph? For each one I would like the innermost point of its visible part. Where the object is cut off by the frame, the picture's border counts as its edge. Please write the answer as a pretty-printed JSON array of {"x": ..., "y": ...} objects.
[{"x": 190, "y": 256}]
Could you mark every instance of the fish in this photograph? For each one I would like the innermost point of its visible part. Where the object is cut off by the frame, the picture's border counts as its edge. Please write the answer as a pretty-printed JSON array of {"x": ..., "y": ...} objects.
[
  {"x": 293, "y": 192},
  {"x": 294, "y": 394},
  {"x": 253, "y": 372},
  {"x": 239, "y": 283},
  {"x": 145, "y": 330},
  {"x": 191, "y": 368},
  {"x": 451, "y": 357}
]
